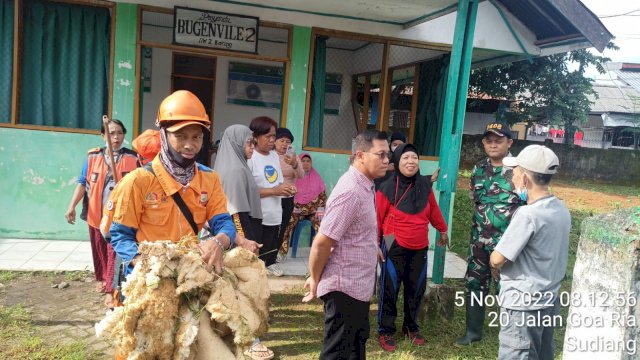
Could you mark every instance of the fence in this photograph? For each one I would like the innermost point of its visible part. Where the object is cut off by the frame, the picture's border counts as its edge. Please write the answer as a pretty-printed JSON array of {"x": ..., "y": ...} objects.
[{"x": 618, "y": 165}]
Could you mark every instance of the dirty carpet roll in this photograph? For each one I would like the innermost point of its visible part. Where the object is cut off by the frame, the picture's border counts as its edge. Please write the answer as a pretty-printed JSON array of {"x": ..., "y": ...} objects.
[{"x": 175, "y": 309}]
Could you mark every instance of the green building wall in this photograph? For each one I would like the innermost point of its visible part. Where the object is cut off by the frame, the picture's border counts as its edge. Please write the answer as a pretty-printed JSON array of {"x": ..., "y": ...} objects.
[
  {"x": 39, "y": 172},
  {"x": 39, "y": 169}
]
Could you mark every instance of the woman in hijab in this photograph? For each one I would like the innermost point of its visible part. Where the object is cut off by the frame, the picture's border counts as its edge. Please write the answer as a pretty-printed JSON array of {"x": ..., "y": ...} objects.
[
  {"x": 310, "y": 196},
  {"x": 405, "y": 206},
  {"x": 397, "y": 139},
  {"x": 243, "y": 197},
  {"x": 243, "y": 200}
]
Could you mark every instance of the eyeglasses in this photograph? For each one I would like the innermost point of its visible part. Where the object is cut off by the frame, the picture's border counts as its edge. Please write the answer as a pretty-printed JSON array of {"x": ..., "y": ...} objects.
[
  {"x": 252, "y": 141},
  {"x": 381, "y": 155}
]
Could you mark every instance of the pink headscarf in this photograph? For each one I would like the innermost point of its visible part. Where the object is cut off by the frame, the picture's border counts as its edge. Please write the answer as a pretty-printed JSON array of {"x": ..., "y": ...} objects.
[{"x": 310, "y": 186}]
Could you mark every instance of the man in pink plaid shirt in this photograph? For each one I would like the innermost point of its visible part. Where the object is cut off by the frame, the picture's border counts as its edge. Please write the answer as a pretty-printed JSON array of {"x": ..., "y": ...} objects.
[{"x": 345, "y": 251}]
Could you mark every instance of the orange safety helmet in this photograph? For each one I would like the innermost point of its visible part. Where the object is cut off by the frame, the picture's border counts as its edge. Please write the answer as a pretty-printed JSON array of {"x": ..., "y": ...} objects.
[
  {"x": 147, "y": 145},
  {"x": 180, "y": 109}
]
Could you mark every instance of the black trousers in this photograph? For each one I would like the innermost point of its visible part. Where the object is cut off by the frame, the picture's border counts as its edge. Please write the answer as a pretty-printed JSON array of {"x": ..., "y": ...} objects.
[
  {"x": 268, "y": 237},
  {"x": 346, "y": 327},
  {"x": 407, "y": 267},
  {"x": 250, "y": 226},
  {"x": 287, "y": 210}
]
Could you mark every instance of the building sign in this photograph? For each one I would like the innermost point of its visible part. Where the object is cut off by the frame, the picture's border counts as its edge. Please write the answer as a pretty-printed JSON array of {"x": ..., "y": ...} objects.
[{"x": 215, "y": 30}]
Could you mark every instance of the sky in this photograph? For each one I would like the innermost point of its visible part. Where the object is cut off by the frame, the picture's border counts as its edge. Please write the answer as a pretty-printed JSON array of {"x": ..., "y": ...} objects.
[{"x": 625, "y": 28}]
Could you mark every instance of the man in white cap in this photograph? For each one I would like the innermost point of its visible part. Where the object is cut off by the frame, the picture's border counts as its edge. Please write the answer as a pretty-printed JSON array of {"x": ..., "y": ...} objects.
[{"x": 532, "y": 259}]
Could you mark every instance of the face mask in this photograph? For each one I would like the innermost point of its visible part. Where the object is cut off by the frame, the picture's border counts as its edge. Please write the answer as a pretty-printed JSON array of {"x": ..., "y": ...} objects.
[
  {"x": 179, "y": 159},
  {"x": 522, "y": 192},
  {"x": 393, "y": 148}
]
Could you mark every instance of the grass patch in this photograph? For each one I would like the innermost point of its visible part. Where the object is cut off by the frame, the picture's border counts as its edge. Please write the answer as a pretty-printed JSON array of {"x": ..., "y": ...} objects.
[
  {"x": 461, "y": 227},
  {"x": 601, "y": 187},
  {"x": 76, "y": 275},
  {"x": 6, "y": 276},
  {"x": 20, "y": 340},
  {"x": 296, "y": 332}
]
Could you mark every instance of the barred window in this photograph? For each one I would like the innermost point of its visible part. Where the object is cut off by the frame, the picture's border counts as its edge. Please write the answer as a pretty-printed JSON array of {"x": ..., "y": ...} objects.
[{"x": 382, "y": 84}]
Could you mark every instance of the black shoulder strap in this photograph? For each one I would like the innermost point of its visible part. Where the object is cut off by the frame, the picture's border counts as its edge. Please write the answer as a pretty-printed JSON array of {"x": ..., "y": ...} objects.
[{"x": 181, "y": 204}]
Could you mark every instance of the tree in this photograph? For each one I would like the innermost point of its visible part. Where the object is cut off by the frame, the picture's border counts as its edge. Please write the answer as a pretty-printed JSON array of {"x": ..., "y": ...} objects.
[{"x": 546, "y": 88}]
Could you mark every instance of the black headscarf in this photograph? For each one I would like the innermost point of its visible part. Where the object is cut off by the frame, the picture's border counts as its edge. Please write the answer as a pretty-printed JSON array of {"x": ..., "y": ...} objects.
[{"x": 417, "y": 197}]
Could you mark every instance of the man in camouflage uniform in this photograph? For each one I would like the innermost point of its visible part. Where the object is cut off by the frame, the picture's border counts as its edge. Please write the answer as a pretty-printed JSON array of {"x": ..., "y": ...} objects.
[{"x": 495, "y": 201}]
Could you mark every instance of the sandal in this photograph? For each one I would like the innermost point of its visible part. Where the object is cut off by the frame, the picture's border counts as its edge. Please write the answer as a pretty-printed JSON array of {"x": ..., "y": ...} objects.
[{"x": 259, "y": 352}]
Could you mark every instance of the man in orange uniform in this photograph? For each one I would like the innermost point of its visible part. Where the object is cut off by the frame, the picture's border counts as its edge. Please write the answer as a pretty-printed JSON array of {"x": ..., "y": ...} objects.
[{"x": 144, "y": 205}]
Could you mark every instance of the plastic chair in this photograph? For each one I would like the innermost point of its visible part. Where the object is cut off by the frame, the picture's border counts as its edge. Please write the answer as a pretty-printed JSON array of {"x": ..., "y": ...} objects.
[{"x": 296, "y": 235}]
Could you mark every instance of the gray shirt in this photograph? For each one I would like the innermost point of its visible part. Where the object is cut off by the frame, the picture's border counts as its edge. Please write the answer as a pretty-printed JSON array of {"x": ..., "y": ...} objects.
[{"x": 536, "y": 243}]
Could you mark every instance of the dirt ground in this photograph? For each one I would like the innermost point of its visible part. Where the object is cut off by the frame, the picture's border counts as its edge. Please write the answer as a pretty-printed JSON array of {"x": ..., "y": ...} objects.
[
  {"x": 61, "y": 315},
  {"x": 598, "y": 202},
  {"x": 578, "y": 198},
  {"x": 66, "y": 315}
]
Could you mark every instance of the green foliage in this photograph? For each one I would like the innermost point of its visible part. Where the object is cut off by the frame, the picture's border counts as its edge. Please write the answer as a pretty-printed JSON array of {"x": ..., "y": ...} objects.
[
  {"x": 6, "y": 276},
  {"x": 12, "y": 317},
  {"x": 76, "y": 275},
  {"x": 546, "y": 88},
  {"x": 461, "y": 228}
]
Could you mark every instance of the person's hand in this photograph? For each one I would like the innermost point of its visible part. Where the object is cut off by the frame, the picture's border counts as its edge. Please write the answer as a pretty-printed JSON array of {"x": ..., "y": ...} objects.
[
  {"x": 250, "y": 245},
  {"x": 211, "y": 254},
  {"x": 288, "y": 159},
  {"x": 444, "y": 240},
  {"x": 294, "y": 161},
  {"x": 312, "y": 285},
  {"x": 70, "y": 215},
  {"x": 434, "y": 176},
  {"x": 380, "y": 256},
  {"x": 282, "y": 190}
]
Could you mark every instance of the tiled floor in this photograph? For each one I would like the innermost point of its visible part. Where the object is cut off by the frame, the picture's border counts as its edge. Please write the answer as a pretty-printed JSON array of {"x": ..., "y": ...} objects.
[
  {"x": 49, "y": 255},
  {"x": 23, "y": 254}
]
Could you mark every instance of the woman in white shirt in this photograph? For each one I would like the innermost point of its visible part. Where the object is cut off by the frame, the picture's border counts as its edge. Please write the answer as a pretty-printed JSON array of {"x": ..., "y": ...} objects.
[{"x": 266, "y": 170}]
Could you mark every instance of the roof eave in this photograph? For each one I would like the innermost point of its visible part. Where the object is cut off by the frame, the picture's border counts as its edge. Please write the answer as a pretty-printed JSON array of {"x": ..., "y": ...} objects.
[{"x": 585, "y": 21}]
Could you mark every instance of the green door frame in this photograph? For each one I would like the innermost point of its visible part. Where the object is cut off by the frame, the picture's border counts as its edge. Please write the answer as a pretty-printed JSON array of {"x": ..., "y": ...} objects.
[{"x": 454, "y": 111}]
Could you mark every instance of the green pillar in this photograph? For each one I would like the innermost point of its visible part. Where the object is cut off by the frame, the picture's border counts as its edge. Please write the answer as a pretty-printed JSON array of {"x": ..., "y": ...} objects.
[
  {"x": 454, "y": 111},
  {"x": 300, "y": 50},
  {"x": 124, "y": 65}
]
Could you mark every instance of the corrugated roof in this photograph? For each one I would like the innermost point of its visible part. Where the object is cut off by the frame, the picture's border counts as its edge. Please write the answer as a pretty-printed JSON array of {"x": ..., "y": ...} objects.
[
  {"x": 616, "y": 98},
  {"x": 632, "y": 78}
]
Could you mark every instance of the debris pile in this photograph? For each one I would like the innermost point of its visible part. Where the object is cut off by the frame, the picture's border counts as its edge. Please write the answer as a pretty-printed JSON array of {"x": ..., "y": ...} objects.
[{"x": 176, "y": 309}]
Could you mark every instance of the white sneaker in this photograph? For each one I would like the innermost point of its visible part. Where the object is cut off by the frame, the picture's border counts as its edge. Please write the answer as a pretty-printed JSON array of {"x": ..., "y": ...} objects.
[
  {"x": 275, "y": 270},
  {"x": 281, "y": 257}
]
